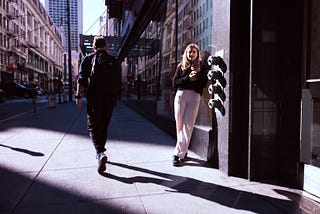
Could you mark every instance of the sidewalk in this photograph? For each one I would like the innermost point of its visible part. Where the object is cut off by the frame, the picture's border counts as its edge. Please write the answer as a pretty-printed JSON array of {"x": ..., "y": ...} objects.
[{"x": 48, "y": 165}]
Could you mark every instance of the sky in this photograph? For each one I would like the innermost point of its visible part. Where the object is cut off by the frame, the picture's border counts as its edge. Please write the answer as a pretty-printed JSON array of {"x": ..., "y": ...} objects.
[{"x": 92, "y": 10}]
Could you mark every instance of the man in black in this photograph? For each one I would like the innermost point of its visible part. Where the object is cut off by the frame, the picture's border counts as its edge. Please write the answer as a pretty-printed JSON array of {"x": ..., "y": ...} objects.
[{"x": 100, "y": 74}]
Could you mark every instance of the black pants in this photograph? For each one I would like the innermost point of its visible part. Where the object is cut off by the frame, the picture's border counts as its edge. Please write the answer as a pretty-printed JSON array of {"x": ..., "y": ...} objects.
[{"x": 99, "y": 112}]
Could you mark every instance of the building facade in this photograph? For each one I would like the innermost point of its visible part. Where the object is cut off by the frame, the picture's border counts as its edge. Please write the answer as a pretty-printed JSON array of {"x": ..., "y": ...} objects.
[
  {"x": 266, "y": 127},
  {"x": 31, "y": 46},
  {"x": 57, "y": 10}
]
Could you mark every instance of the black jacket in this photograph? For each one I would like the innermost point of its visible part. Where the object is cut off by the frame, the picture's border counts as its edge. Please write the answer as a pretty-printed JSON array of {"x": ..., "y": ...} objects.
[
  {"x": 106, "y": 78},
  {"x": 181, "y": 80}
]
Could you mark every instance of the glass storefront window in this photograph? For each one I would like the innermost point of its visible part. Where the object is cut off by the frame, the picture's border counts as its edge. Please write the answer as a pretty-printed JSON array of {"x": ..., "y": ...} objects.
[
  {"x": 315, "y": 89},
  {"x": 188, "y": 31},
  {"x": 311, "y": 122}
]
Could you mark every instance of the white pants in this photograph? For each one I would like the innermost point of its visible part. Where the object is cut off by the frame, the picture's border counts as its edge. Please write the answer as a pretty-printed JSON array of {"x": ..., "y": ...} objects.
[{"x": 186, "y": 106}]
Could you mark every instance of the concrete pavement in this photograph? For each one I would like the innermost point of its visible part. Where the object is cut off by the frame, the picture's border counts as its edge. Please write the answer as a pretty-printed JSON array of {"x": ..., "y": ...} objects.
[{"x": 48, "y": 165}]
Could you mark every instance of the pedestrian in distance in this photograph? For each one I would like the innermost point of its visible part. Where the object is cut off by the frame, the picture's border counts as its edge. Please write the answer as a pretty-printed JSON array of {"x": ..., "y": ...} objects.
[
  {"x": 188, "y": 82},
  {"x": 100, "y": 77}
]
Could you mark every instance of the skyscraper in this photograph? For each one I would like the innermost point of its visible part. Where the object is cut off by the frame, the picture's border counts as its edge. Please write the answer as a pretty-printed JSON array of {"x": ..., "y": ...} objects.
[{"x": 57, "y": 10}]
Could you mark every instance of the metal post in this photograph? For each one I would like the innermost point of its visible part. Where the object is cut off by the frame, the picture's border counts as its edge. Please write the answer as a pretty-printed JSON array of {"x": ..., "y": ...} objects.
[
  {"x": 59, "y": 86},
  {"x": 69, "y": 52},
  {"x": 65, "y": 68}
]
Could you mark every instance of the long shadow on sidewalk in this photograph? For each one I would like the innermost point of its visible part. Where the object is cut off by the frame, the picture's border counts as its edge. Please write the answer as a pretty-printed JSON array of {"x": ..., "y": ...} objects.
[
  {"x": 26, "y": 151},
  {"x": 26, "y": 195},
  {"x": 225, "y": 196}
]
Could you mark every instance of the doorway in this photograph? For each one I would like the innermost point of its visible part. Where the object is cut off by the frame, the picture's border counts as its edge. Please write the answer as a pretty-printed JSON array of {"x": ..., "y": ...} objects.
[
  {"x": 276, "y": 91},
  {"x": 310, "y": 124}
]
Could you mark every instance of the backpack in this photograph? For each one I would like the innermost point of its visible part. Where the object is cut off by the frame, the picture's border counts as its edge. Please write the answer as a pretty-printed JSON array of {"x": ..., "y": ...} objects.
[{"x": 105, "y": 77}]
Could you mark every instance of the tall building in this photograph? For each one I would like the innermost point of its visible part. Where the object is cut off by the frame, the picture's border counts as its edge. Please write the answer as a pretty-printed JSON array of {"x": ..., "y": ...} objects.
[
  {"x": 203, "y": 24},
  {"x": 57, "y": 10},
  {"x": 31, "y": 48}
]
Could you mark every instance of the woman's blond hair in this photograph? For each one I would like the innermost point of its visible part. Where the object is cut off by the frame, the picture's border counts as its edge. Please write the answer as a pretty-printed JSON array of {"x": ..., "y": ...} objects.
[{"x": 185, "y": 63}]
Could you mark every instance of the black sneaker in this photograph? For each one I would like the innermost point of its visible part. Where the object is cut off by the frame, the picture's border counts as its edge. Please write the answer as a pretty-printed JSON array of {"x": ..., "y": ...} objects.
[
  {"x": 102, "y": 160},
  {"x": 175, "y": 160}
]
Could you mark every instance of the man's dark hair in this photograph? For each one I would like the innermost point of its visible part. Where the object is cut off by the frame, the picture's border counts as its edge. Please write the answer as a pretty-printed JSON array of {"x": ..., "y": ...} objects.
[{"x": 99, "y": 42}]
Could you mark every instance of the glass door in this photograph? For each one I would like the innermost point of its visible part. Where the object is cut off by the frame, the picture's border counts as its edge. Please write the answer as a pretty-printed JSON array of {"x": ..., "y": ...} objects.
[
  {"x": 275, "y": 92},
  {"x": 310, "y": 111},
  {"x": 313, "y": 89}
]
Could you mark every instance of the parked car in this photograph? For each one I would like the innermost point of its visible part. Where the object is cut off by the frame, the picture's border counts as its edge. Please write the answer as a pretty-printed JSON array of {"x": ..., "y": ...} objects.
[{"x": 17, "y": 90}]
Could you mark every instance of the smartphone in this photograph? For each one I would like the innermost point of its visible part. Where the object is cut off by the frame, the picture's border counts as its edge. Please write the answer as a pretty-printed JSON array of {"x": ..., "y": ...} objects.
[{"x": 195, "y": 63}]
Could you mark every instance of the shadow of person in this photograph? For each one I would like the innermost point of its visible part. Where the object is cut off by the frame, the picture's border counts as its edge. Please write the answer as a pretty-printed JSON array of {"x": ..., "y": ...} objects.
[
  {"x": 23, "y": 150},
  {"x": 308, "y": 205},
  {"x": 135, "y": 179},
  {"x": 118, "y": 178},
  {"x": 226, "y": 196}
]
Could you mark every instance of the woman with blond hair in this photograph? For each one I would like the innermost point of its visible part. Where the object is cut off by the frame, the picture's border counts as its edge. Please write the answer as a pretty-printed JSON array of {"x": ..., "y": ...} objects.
[{"x": 188, "y": 81}]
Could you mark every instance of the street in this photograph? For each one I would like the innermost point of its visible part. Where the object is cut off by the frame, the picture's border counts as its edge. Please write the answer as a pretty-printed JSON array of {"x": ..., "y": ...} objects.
[{"x": 14, "y": 107}]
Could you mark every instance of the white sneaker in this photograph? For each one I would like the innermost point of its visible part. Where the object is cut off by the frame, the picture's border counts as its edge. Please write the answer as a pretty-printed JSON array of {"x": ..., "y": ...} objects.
[{"x": 102, "y": 160}]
